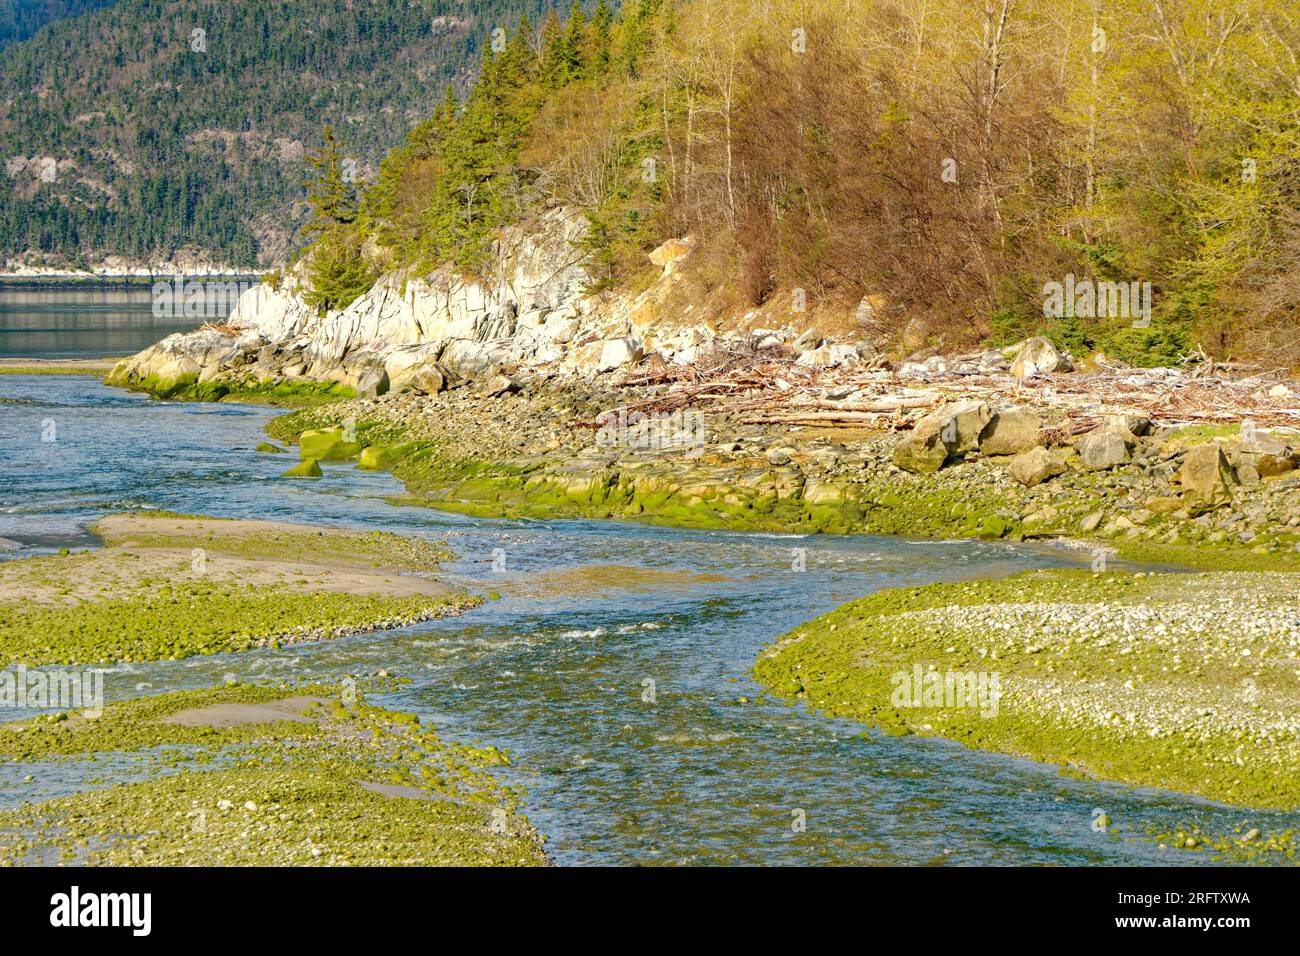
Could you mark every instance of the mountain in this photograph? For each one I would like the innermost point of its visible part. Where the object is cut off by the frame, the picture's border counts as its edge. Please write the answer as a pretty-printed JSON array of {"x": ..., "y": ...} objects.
[
  {"x": 19, "y": 19},
  {"x": 177, "y": 130}
]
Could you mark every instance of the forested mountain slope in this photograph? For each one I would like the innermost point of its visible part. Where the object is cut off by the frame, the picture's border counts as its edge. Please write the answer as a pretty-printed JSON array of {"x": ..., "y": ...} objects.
[
  {"x": 19, "y": 19},
  {"x": 154, "y": 129}
]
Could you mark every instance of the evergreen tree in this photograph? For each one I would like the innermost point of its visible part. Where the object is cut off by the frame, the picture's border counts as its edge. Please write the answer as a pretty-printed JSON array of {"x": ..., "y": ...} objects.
[{"x": 332, "y": 197}]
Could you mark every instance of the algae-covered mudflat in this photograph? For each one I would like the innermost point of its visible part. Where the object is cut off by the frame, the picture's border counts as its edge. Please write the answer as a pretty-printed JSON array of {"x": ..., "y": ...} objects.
[
  {"x": 262, "y": 776},
  {"x": 170, "y": 586},
  {"x": 1187, "y": 682}
]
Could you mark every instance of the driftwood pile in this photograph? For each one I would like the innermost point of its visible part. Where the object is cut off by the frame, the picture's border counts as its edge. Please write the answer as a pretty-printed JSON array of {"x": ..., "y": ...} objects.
[{"x": 768, "y": 387}]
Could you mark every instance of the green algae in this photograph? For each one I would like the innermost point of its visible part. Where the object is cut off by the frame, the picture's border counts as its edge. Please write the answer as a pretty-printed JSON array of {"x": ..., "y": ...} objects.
[
  {"x": 143, "y": 597},
  {"x": 283, "y": 394},
  {"x": 183, "y": 619},
  {"x": 1097, "y": 703},
  {"x": 348, "y": 784},
  {"x": 307, "y": 468},
  {"x": 1245, "y": 844},
  {"x": 49, "y": 370},
  {"x": 275, "y": 542}
]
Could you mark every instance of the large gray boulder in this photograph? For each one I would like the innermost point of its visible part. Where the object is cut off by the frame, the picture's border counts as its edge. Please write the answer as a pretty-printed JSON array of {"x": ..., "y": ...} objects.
[
  {"x": 1038, "y": 356},
  {"x": 923, "y": 451},
  {"x": 1036, "y": 466},
  {"x": 1104, "y": 448},
  {"x": 1011, "y": 431},
  {"x": 952, "y": 430},
  {"x": 1205, "y": 476},
  {"x": 615, "y": 353}
]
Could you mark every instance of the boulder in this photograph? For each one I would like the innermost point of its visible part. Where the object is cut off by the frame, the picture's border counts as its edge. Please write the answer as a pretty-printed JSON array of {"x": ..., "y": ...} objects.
[
  {"x": 961, "y": 424},
  {"x": 1103, "y": 448},
  {"x": 1205, "y": 475},
  {"x": 307, "y": 468},
  {"x": 923, "y": 451},
  {"x": 807, "y": 341},
  {"x": 671, "y": 253},
  {"x": 1038, "y": 356},
  {"x": 381, "y": 457},
  {"x": 615, "y": 353},
  {"x": 1035, "y": 466},
  {"x": 499, "y": 385},
  {"x": 1011, "y": 431},
  {"x": 1266, "y": 453},
  {"x": 952, "y": 430},
  {"x": 268, "y": 449},
  {"x": 326, "y": 444}
]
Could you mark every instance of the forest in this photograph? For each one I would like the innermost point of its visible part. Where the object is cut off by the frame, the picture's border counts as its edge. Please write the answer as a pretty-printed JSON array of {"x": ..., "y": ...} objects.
[{"x": 946, "y": 160}]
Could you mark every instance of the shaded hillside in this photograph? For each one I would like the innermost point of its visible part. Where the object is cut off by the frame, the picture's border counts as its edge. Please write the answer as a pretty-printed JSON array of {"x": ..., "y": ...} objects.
[
  {"x": 19, "y": 19},
  {"x": 164, "y": 127}
]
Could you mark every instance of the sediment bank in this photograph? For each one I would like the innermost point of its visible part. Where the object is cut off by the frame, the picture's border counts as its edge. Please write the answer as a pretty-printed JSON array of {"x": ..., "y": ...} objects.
[
  {"x": 246, "y": 775},
  {"x": 171, "y": 586}
]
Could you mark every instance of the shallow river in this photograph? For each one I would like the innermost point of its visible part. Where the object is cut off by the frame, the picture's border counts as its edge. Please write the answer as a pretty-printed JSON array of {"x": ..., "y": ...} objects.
[{"x": 557, "y": 670}]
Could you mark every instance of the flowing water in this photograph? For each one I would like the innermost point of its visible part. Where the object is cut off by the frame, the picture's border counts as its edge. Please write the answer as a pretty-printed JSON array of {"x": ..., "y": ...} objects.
[{"x": 558, "y": 670}]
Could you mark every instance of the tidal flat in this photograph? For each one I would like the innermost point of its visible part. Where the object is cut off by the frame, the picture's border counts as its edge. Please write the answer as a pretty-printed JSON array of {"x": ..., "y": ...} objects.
[
  {"x": 1186, "y": 682},
  {"x": 166, "y": 587},
  {"x": 266, "y": 776}
]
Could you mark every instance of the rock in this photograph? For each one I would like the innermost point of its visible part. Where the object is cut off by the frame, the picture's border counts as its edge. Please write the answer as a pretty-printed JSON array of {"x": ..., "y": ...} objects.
[
  {"x": 499, "y": 385},
  {"x": 779, "y": 456},
  {"x": 1011, "y": 431},
  {"x": 1164, "y": 504},
  {"x": 428, "y": 379},
  {"x": 923, "y": 451},
  {"x": 615, "y": 353},
  {"x": 809, "y": 340},
  {"x": 307, "y": 468},
  {"x": 952, "y": 430},
  {"x": 1091, "y": 521},
  {"x": 1103, "y": 448},
  {"x": 1038, "y": 356},
  {"x": 1205, "y": 476},
  {"x": 1279, "y": 391},
  {"x": 1263, "y": 452},
  {"x": 961, "y": 424},
  {"x": 823, "y": 493},
  {"x": 369, "y": 383},
  {"x": 267, "y": 448},
  {"x": 1036, "y": 466},
  {"x": 326, "y": 444},
  {"x": 381, "y": 457},
  {"x": 829, "y": 355},
  {"x": 670, "y": 254},
  {"x": 561, "y": 330}
]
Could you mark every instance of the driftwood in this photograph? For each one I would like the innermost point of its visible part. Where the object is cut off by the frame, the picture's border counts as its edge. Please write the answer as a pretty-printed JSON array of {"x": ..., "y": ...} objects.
[{"x": 768, "y": 387}]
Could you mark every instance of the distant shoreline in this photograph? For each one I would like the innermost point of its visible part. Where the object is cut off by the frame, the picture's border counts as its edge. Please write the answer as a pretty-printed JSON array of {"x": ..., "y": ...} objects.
[{"x": 80, "y": 280}]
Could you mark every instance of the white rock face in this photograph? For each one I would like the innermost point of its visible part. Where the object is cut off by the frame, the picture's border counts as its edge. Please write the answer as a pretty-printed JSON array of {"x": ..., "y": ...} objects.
[{"x": 616, "y": 353}]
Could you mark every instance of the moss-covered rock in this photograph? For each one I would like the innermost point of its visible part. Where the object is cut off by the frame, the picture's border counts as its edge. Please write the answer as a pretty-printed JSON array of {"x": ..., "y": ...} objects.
[
  {"x": 307, "y": 468},
  {"x": 327, "y": 444}
]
